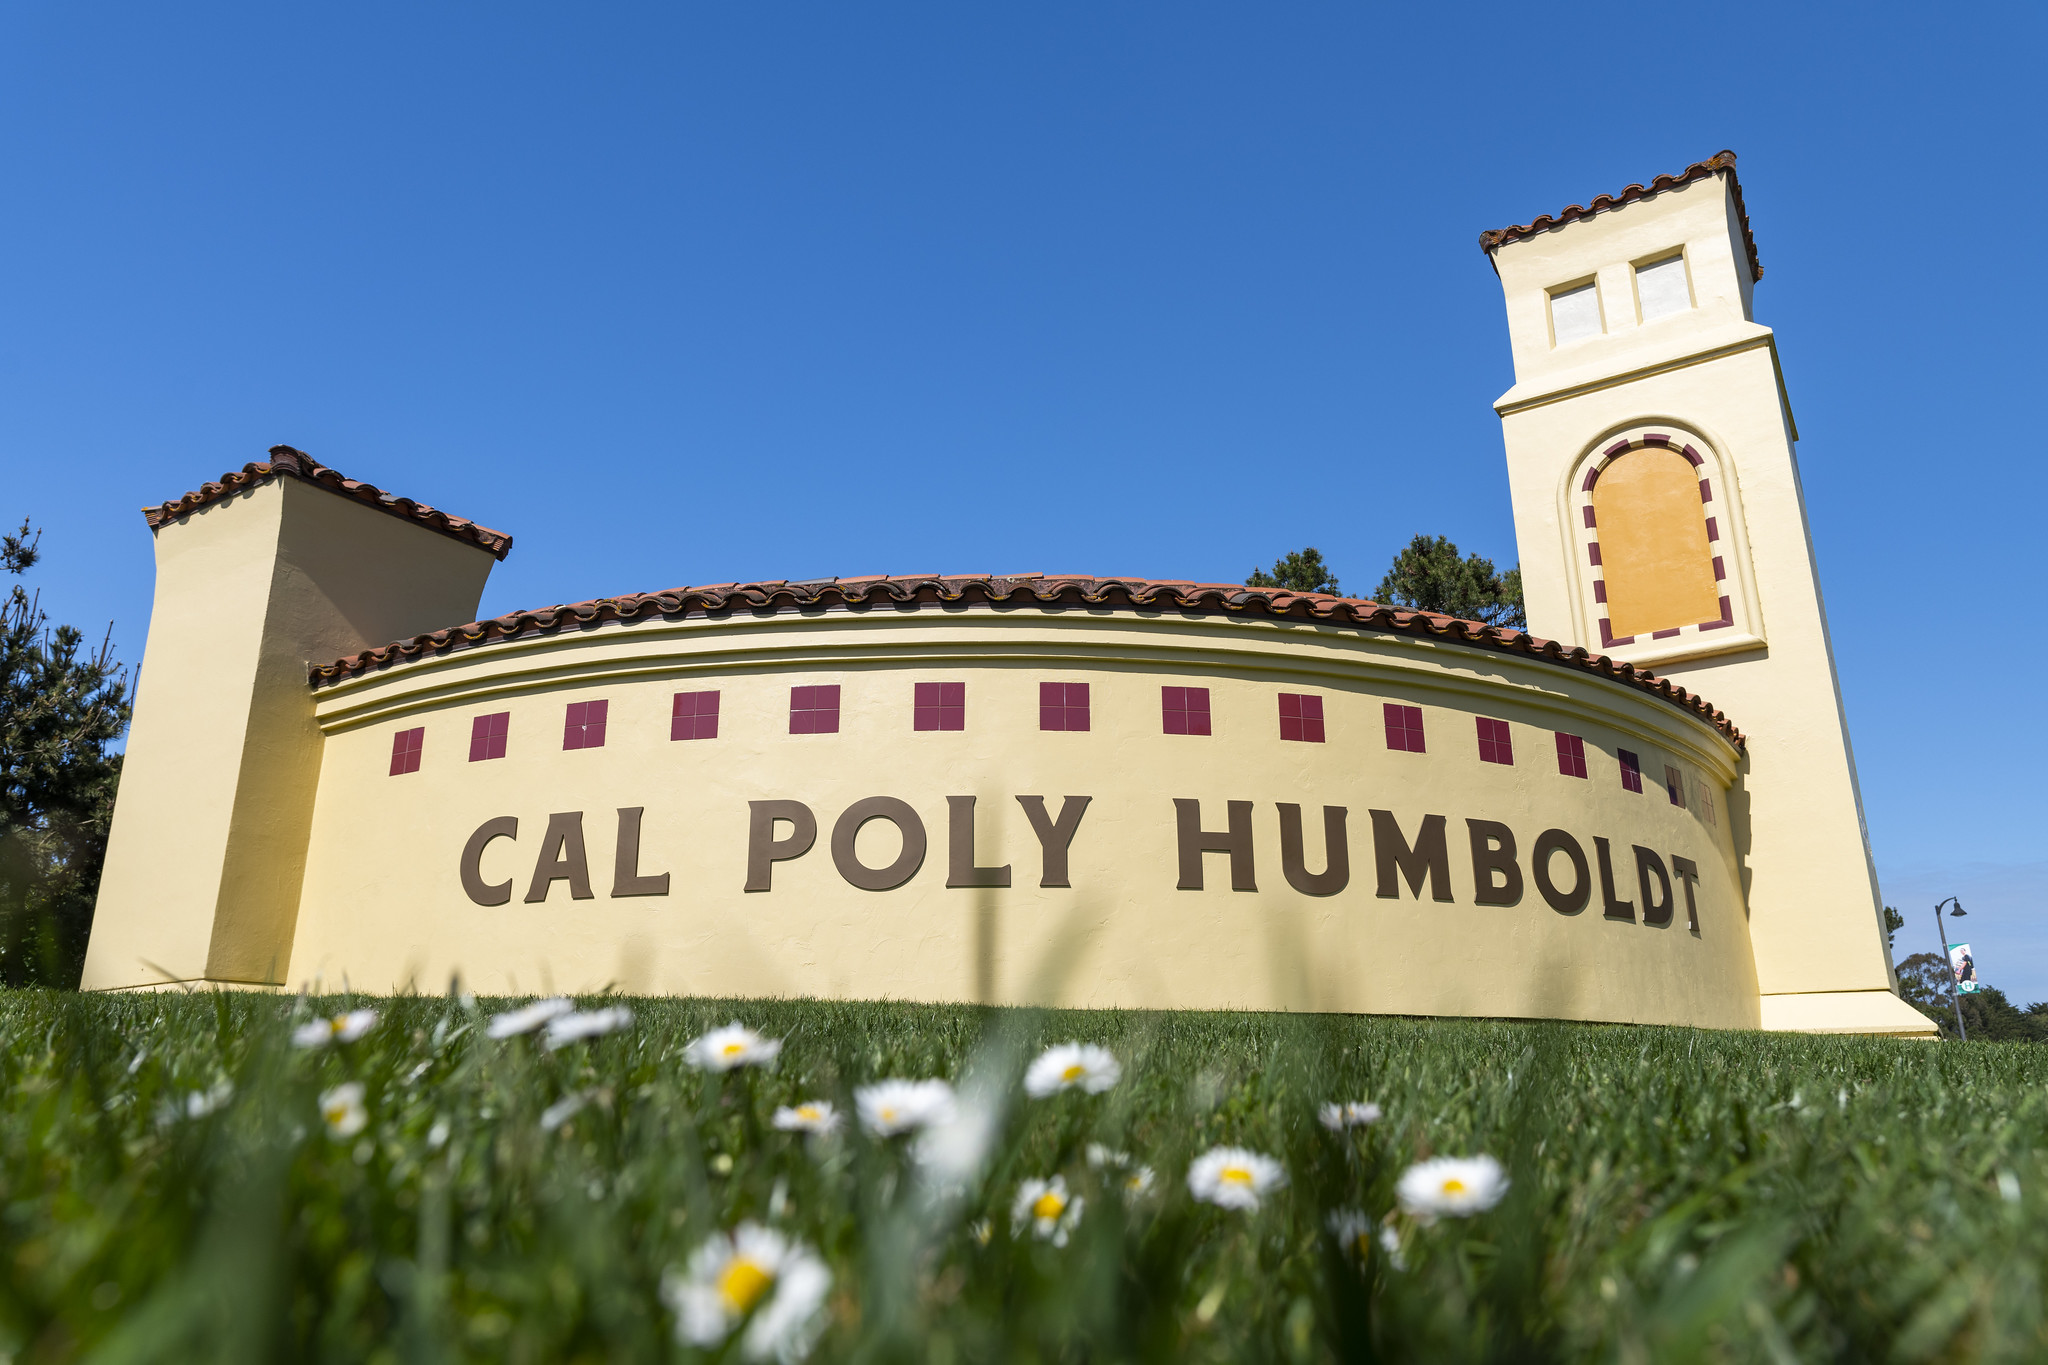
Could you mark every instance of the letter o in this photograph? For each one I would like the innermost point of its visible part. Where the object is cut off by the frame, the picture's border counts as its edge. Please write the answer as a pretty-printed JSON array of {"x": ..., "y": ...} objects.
[
  {"x": 848, "y": 829},
  {"x": 1564, "y": 902}
]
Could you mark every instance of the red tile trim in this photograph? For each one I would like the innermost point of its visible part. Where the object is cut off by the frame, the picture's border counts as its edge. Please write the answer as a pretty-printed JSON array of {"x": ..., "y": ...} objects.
[
  {"x": 1588, "y": 509},
  {"x": 1593, "y": 552},
  {"x": 1656, "y": 438},
  {"x": 1495, "y": 238},
  {"x": 1713, "y": 528},
  {"x": 1664, "y": 634},
  {"x": 299, "y": 465},
  {"x": 1050, "y": 593},
  {"x": 1720, "y": 569},
  {"x": 1706, "y": 491},
  {"x": 1693, "y": 455}
]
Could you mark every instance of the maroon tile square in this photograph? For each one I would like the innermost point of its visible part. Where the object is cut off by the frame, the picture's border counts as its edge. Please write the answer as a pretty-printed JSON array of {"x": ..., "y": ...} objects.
[
  {"x": 1496, "y": 742},
  {"x": 1720, "y": 569},
  {"x": 1713, "y": 528},
  {"x": 814, "y": 710},
  {"x": 1184, "y": 710},
  {"x": 405, "y": 750},
  {"x": 583, "y": 725},
  {"x": 940, "y": 706},
  {"x": 488, "y": 734},
  {"x": 1062, "y": 706},
  {"x": 695, "y": 716},
  {"x": 1301, "y": 717},
  {"x": 1593, "y": 552},
  {"x": 1674, "y": 785},
  {"x": 1599, "y": 590},
  {"x": 1631, "y": 771},
  {"x": 1571, "y": 755},
  {"x": 1706, "y": 490},
  {"x": 1404, "y": 728},
  {"x": 1588, "y": 510}
]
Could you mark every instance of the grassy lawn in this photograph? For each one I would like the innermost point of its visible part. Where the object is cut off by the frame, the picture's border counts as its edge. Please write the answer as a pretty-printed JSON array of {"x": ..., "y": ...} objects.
[{"x": 1673, "y": 1195}]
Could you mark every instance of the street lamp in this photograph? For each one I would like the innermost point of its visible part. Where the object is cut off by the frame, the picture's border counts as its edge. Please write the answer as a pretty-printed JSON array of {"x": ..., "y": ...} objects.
[{"x": 1953, "y": 998}]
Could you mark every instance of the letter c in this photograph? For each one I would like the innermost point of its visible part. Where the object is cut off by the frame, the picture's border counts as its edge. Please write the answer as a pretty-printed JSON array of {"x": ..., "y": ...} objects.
[{"x": 504, "y": 827}]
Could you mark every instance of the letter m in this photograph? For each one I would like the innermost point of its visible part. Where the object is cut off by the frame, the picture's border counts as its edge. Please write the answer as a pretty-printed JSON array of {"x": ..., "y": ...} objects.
[{"x": 1429, "y": 856}]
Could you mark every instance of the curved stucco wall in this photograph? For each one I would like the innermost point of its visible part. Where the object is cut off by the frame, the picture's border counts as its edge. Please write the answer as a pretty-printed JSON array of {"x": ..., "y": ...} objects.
[{"x": 384, "y": 904}]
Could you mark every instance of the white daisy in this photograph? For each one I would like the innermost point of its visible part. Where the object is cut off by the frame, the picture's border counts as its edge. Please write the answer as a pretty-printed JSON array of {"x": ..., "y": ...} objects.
[
  {"x": 574, "y": 1028},
  {"x": 562, "y": 1110},
  {"x": 342, "y": 1028},
  {"x": 1353, "y": 1114},
  {"x": 1135, "y": 1177},
  {"x": 1072, "y": 1066},
  {"x": 1390, "y": 1242},
  {"x": 812, "y": 1116},
  {"x": 1455, "y": 1185},
  {"x": 1046, "y": 1209},
  {"x": 722, "y": 1049},
  {"x": 1233, "y": 1178},
  {"x": 895, "y": 1106},
  {"x": 757, "y": 1276},
  {"x": 342, "y": 1108},
  {"x": 1353, "y": 1231},
  {"x": 527, "y": 1018}
]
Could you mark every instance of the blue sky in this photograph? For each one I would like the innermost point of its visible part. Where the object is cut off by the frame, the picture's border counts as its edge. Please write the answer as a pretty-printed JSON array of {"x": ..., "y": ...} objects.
[{"x": 686, "y": 293}]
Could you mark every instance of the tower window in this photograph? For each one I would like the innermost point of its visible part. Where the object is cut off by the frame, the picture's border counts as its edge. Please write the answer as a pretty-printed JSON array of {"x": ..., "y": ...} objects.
[
  {"x": 1301, "y": 717},
  {"x": 487, "y": 736},
  {"x": 1571, "y": 755},
  {"x": 1062, "y": 706},
  {"x": 1404, "y": 728},
  {"x": 1654, "y": 559},
  {"x": 1496, "y": 743},
  {"x": 1661, "y": 287},
  {"x": 405, "y": 750},
  {"x": 1575, "y": 314},
  {"x": 583, "y": 727},
  {"x": 1631, "y": 770},
  {"x": 695, "y": 716},
  {"x": 940, "y": 706},
  {"x": 1184, "y": 710},
  {"x": 814, "y": 710}
]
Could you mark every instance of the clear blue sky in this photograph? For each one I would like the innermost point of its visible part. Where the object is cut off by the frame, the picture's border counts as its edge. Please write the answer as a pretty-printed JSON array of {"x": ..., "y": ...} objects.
[{"x": 683, "y": 293}]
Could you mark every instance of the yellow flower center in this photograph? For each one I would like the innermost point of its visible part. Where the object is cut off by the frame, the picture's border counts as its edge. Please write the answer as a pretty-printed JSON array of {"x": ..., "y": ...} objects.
[
  {"x": 735, "y": 1049},
  {"x": 809, "y": 1113},
  {"x": 1454, "y": 1186},
  {"x": 1049, "y": 1205},
  {"x": 1235, "y": 1175},
  {"x": 742, "y": 1283},
  {"x": 1074, "y": 1072},
  {"x": 336, "y": 1025},
  {"x": 889, "y": 1113}
]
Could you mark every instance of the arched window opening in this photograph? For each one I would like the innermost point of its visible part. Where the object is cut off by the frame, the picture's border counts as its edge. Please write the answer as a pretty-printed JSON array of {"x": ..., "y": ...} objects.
[{"x": 1654, "y": 556}]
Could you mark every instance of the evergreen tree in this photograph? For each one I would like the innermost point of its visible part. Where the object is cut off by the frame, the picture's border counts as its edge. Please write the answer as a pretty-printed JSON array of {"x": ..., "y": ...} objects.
[
  {"x": 1429, "y": 575},
  {"x": 1301, "y": 571},
  {"x": 60, "y": 709}
]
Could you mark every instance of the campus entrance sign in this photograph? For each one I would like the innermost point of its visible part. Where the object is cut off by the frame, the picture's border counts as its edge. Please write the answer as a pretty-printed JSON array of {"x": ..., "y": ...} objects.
[{"x": 1064, "y": 788}]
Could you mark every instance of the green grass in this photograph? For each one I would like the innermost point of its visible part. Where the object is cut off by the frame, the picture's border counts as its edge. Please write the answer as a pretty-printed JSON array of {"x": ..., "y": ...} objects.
[{"x": 1676, "y": 1195}]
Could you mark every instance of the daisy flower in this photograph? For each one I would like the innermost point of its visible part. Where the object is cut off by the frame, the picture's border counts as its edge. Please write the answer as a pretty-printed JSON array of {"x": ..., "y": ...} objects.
[
  {"x": 891, "y": 1107},
  {"x": 812, "y": 1116},
  {"x": 342, "y": 1028},
  {"x": 754, "y": 1276},
  {"x": 574, "y": 1028},
  {"x": 722, "y": 1049},
  {"x": 1045, "y": 1207},
  {"x": 342, "y": 1108},
  {"x": 562, "y": 1110},
  {"x": 1455, "y": 1185},
  {"x": 1233, "y": 1178},
  {"x": 527, "y": 1018},
  {"x": 1136, "y": 1177},
  {"x": 1353, "y": 1231},
  {"x": 1072, "y": 1066},
  {"x": 1354, "y": 1114}
]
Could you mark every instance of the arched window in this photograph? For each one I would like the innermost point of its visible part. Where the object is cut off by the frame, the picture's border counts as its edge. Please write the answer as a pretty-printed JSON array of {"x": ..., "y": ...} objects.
[{"x": 1654, "y": 556}]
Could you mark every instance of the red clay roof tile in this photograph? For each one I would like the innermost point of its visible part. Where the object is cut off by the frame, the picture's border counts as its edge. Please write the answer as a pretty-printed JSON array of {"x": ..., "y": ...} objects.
[
  {"x": 1699, "y": 170},
  {"x": 285, "y": 460},
  {"x": 1047, "y": 590}
]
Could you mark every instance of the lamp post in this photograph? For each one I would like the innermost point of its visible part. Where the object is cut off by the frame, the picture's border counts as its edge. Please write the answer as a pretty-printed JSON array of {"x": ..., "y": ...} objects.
[{"x": 1953, "y": 998}]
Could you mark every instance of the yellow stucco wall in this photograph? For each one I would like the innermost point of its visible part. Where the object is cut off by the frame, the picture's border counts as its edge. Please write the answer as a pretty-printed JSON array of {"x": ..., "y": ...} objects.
[{"x": 384, "y": 907}]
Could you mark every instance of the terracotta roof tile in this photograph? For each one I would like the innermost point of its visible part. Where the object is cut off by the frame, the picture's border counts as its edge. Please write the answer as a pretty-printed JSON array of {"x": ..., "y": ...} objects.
[
  {"x": 1050, "y": 590},
  {"x": 285, "y": 460},
  {"x": 1699, "y": 170}
]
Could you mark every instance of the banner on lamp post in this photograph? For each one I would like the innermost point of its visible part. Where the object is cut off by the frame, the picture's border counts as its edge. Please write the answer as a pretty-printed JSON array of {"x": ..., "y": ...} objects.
[{"x": 1965, "y": 968}]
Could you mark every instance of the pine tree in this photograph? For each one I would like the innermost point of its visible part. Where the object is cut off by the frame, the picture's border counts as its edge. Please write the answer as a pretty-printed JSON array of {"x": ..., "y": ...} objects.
[
  {"x": 1429, "y": 576},
  {"x": 60, "y": 709}
]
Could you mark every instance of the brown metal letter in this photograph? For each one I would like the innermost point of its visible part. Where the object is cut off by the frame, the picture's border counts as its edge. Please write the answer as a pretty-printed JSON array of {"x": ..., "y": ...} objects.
[
  {"x": 1054, "y": 837},
  {"x": 1336, "y": 873},
  {"x": 1235, "y": 839},
  {"x": 960, "y": 868},
  {"x": 897, "y": 813},
  {"x": 764, "y": 850},
  {"x": 504, "y": 827},
  {"x": 561, "y": 859},
  {"x": 626, "y": 878}
]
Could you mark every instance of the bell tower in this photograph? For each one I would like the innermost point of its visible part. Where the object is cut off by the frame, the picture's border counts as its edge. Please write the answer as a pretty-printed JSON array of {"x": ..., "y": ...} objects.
[{"x": 1658, "y": 512}]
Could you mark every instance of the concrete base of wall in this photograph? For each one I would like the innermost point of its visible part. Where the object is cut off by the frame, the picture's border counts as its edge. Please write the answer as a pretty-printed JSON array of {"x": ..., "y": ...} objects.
[{"x": 1873, "y": 1012}]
